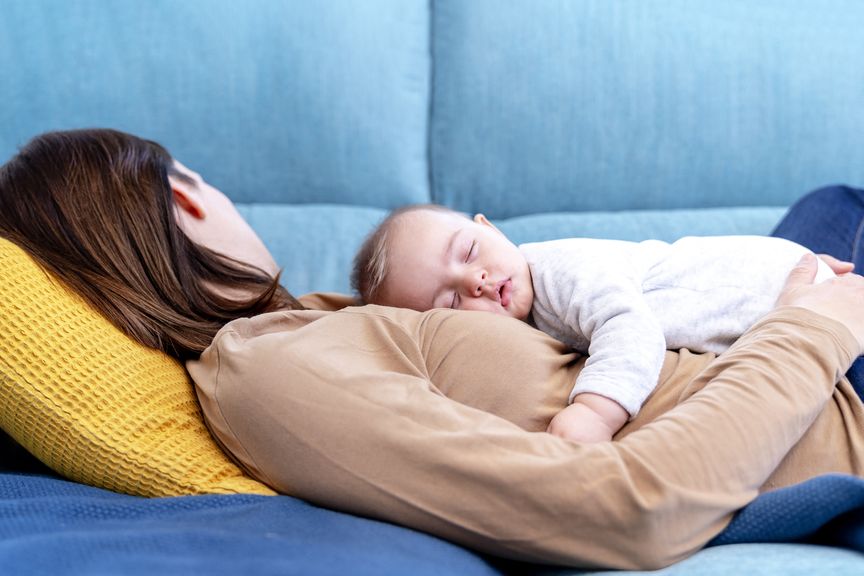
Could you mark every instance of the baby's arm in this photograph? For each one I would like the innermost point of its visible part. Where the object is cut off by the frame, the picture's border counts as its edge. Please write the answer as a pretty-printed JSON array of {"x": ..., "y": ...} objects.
[
  {"x": 598, "y": 300},
  {"x": 590, "y": 418}
]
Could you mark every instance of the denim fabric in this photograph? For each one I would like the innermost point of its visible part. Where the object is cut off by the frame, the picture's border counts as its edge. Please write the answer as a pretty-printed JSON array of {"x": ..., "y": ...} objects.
[{"x": 830, "y": 220}]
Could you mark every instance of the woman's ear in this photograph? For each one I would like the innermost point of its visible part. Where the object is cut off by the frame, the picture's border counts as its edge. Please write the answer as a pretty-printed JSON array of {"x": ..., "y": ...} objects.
[{"x": 187, "y": 199}]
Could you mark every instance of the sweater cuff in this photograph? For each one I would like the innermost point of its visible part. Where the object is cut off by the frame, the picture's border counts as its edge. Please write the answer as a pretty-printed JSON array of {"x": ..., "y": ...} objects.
[{"x": 844, "y": 342}]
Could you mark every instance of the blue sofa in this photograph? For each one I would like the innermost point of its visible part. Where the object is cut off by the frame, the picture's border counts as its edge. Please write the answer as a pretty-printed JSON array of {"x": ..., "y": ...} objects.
[{"x": 606, "y": 118}]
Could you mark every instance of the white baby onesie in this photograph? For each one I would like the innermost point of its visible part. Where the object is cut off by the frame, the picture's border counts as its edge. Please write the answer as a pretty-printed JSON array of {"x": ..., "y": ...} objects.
[{"x": 625, "y": 303}]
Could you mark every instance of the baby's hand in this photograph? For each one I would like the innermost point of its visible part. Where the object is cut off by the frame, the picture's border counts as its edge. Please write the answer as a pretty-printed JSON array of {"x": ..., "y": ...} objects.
[
  {"x": 590, "y": 418},
  {"x": 579, "y": 423}
]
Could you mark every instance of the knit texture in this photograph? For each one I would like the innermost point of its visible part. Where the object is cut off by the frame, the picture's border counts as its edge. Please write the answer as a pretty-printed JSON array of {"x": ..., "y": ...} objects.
[
  {"x": 50, "y": 526},
  {"x": 827, "y": 509},
  {"x": 94, "y": 405}
]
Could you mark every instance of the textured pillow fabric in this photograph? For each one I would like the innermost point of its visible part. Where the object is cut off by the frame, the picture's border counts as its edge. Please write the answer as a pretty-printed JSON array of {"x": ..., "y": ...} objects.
[{"x": 92, "y": 404}]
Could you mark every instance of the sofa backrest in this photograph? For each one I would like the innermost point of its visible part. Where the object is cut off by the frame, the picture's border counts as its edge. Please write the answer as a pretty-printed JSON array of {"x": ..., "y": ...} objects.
[
  {"x": 652, "y": 104},
  {"x": 319, "y": 116},
  {"x": 273, "y": 101}
]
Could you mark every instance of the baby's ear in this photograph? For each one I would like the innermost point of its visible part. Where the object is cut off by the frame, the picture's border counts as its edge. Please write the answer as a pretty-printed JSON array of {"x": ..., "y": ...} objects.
[{"x": 483, "y": 221}]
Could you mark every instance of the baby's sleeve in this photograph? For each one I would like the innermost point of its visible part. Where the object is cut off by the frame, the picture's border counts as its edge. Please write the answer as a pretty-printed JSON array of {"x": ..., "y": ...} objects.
[{"x": 596, "y": 306}]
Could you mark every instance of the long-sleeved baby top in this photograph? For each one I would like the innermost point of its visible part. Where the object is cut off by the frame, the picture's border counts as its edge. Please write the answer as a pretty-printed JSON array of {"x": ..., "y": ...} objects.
[{"x": 625, "y": 303}]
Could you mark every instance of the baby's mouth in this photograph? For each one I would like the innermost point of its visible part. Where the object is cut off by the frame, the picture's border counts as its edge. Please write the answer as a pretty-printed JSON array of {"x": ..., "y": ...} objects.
[{"x": 505, "y": 292}]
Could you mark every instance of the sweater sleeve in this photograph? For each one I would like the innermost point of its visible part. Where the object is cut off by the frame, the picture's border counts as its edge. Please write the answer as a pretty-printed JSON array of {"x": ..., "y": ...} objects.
[{"x": 320, "y": 411}]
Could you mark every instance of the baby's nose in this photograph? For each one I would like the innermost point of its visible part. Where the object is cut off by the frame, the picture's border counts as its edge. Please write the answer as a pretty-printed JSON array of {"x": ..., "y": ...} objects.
[{"x": 477, "y": 281}]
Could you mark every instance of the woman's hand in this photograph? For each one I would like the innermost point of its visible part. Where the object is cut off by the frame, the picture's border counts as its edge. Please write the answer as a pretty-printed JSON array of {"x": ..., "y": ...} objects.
[{"x": 840, "y": 298}]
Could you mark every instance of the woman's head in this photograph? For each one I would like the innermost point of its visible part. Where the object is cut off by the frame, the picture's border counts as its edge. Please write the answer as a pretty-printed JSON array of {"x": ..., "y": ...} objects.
[{"x": 97, "y": 209}]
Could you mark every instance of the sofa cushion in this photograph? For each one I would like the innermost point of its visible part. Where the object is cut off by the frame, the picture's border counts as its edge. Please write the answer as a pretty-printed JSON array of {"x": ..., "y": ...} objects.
[
  {"x": 608, "y": 105},
  {"x": 314, "y": 244},
  {"x": 296, "y": 101},
  {"x": 92, "y": 404},
  {"x": 638, "y": 225},
  {"x": 753, "y": 559}
]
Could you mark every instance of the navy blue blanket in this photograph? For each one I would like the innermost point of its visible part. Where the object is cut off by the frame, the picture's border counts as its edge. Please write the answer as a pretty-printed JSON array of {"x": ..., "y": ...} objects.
[
  {"x": 52, "y": 526},
  {"x": 826, "y": 510},
  {"x": 49, "y": 525}
]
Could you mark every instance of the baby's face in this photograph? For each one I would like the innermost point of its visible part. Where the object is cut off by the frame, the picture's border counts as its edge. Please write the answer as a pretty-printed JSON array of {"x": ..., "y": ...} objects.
[{"x": 442, "y": 260}]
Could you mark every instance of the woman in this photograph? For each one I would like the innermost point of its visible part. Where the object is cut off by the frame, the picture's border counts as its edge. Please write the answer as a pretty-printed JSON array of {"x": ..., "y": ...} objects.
[
  {"x": 355, "y": 409},
  {"x": 98, "y": 208}
]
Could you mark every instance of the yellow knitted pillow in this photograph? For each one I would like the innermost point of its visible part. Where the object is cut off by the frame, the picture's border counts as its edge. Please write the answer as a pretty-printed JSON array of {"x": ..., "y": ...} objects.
[{"x": 92, "y": 404}]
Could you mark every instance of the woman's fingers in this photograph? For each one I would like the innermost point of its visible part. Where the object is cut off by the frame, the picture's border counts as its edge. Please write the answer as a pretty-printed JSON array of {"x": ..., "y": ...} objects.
[
  {"x": 801, "y": 275},
  {"x": 838, "y": 266}
]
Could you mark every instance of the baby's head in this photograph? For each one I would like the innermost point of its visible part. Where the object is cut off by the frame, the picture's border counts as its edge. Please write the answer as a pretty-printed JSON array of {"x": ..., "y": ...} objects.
[{"x": 429, "y": 256}]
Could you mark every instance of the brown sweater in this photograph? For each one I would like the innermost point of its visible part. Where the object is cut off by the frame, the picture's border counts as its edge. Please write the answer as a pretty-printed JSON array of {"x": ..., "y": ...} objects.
[{"x": 434, "y": 420}]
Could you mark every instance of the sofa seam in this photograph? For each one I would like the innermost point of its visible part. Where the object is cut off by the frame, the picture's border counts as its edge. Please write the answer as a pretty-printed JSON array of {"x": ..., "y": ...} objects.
[{"x": 430, "y": 107}]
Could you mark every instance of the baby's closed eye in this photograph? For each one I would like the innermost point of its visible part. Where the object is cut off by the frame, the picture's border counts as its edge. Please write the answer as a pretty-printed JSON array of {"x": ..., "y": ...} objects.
[{"x": 472, "y": 251}]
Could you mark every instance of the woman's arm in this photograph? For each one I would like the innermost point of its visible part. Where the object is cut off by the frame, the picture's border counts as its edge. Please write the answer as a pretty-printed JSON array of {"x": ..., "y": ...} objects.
[
  {"x": 342, "y": 409},
  {"x": 667, "y": 488}
]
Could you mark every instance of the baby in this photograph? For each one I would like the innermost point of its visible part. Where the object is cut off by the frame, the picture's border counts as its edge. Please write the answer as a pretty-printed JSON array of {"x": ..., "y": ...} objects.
[{"x": 622, "y": 303}]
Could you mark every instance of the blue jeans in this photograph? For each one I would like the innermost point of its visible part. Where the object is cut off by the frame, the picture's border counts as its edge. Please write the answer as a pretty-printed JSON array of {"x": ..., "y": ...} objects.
[{"x": 831, "y": 221}]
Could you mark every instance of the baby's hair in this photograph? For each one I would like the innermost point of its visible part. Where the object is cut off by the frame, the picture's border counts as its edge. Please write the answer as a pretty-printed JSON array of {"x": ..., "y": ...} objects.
[{"x": 371, "y": 262}]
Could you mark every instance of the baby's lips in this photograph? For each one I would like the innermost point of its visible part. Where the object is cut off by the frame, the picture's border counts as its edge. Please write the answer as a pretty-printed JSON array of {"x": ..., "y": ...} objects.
[{"x": 505, "y": 292}]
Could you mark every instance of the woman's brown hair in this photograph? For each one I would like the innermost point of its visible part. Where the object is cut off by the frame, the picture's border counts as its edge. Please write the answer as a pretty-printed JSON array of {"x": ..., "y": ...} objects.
[{"x": 96, "y": 209}]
